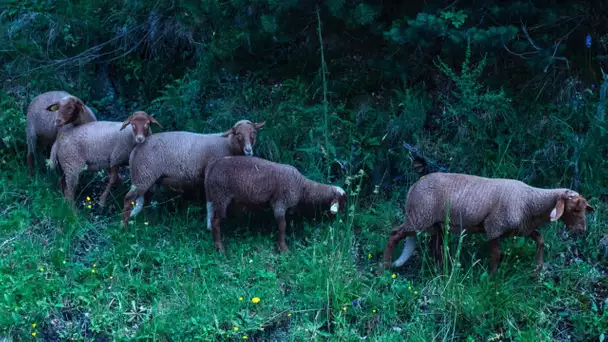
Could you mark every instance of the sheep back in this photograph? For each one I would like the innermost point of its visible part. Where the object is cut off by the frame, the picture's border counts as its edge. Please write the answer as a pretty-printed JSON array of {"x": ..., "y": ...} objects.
[
  {"x": 253, "y": 181},
  {"x": 41, "y": 122},
  {"x": 178, "y": 156},
  {"x": 478, "y": 204},
  {"x": 98, "y": 145}
]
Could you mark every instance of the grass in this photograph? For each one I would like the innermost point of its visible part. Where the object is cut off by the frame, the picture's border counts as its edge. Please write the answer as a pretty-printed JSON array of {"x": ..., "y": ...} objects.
[{"x": 84, "y": 278}]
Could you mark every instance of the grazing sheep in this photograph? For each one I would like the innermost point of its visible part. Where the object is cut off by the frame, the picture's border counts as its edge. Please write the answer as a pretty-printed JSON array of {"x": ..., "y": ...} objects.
[
  {"x": 98, "y": 145},
  {"x": 178, "y": 160},
  {"x": 254, "y": 182},
  {"x": 50, "y": 113},
  {"x": 496, "y": 207}
]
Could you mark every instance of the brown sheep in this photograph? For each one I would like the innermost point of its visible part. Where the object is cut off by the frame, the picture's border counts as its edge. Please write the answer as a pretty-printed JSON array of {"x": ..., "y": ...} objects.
[
  {"x": 496, "y": 207},
  {"x": 178, "y": 160},
  {"x": 255, "y": 182},
  {"x": 50, "y": 113},
  {"x": 98, "y": 145}
]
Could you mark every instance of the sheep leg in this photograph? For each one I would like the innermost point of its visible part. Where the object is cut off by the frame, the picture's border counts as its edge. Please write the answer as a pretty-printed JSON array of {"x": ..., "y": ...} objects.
[
  {"x": 540, "y": 246},
  {"x": 127, "y": 209},
  {"x": 71, "y": 182},
  {"x": 279, "y": 215},
  {"x": 396, "y": 235},
  {"x": 31, "y": 149},
  {"x": 217, "y": 235},
  {"x": 61, "y": 183},
  {"x": 281, "y": 236},
  {"x": 30, "y": 163},
  {"x": 436, "y": 247},
  {"x": 111, "y": 182},
  {"x": 495, "y": 254}
]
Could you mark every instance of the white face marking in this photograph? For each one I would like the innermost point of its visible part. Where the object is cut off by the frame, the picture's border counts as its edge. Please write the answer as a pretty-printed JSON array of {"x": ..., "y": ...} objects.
[
  {"x": 334, "y": 208},
  {"x": 340, "y": 190}
]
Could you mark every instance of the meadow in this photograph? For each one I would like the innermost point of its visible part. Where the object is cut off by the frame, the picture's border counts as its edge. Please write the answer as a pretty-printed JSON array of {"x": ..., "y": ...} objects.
[{"x": 353, "y": 93}]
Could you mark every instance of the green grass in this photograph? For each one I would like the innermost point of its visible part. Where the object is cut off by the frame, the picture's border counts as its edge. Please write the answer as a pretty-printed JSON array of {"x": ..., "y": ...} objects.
[{"x": 84, "y": 278}]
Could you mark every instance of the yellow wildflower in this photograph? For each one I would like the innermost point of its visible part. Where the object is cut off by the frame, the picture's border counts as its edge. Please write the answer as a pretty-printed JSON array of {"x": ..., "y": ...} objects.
[
  {"x": 255, "y": 300},
  {"x": 244, "y": 337},
  {"x": 94, "y": 265},
  {"x": 92, "y": 271},
  {"x": 88, "y": 198},
  {"x": 374, "y": 311},
  {"x": 289, "y": 314},
  {"x": 41, "y": 269},
  {"x": 415, "y": 292},
  {"x": 344, "y": 308},
  {"x": 146, "y": 223},
  {"x": 235, "y": 328},
  {"x": 394, "y": 276},
  {"x": 369, "y": 256},
  {"x": 409, "y": 287},
  {"x": 111, "y": 277},
  {"x": 240, "y": 298},
  {"x": 89, "y": 206},
  {"x": 34, "y": 334},
  {"x": 34, "y": 325}
]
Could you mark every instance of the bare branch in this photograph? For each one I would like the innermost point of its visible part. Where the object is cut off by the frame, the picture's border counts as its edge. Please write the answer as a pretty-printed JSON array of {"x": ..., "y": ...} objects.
[
  {"x": 523, "y": 28},
  {"x": 539, "y": 50}
]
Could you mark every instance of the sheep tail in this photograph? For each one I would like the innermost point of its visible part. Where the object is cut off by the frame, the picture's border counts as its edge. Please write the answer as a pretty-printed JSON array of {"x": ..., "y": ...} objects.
[
  {"x": 409, "y": 246},
  {"x": 53, "y": 159}
]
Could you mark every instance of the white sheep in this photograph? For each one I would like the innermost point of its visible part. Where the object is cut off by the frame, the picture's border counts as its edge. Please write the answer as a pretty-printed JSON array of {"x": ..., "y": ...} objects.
[
  {"x": 178, "y": 160},
  {"x": 98, "y": 145},
  {"x": 50, "y": 113},
  {"x": 496, "y": 207},
  {"x": 255, "y": 182}
]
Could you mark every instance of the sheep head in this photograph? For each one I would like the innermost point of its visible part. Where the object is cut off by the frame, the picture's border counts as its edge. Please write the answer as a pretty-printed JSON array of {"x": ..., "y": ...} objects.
[
  {"x": 244, "y": 134},
  {"x": 571, "y": 208},
  {"x": 338, "y": 201},
  {"x": 140, "y": 121},
  {"x": 68, "y": 109}
]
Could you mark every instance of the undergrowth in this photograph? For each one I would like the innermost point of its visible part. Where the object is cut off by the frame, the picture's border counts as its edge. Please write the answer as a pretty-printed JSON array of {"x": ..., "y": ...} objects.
[{"x": 66, "y": 277}]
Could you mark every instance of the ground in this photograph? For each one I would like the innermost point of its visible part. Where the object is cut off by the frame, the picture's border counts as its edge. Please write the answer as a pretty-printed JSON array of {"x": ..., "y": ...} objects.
[{"x": 85, "y": 278}]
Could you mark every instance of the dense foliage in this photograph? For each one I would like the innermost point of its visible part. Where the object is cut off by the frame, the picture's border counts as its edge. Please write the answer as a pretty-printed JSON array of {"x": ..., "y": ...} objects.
[{"x": 351, "y": 92}]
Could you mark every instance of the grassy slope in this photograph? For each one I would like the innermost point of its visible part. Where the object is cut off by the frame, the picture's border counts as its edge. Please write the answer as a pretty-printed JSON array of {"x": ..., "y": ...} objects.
[{"x": 84, "y": 277}]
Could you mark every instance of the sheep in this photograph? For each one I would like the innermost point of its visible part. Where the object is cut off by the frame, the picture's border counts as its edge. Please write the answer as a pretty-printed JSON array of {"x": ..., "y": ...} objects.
[
  {"x": 255, "y": 182},
  {"x": 98, "y": 145},
  {"x": 496, "y": 207},
  {"x": 50, "y": 113},
  {"x": 178, "y": 160}
]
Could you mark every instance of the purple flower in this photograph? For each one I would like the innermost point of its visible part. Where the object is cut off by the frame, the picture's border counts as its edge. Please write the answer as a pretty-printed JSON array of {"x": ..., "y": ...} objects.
[{"x": 588, "y": 41}]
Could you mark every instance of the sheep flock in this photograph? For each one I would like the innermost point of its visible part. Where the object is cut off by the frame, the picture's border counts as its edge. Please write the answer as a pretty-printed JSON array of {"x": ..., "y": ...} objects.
[{"x": 222, "y": 165}]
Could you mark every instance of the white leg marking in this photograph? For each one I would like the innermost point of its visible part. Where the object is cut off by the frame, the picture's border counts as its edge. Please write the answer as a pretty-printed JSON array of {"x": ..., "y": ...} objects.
[
  {"x": 139, "y": 205},
  {"x": 209, "y": 214},
  {"x": 409, "y": 246}
]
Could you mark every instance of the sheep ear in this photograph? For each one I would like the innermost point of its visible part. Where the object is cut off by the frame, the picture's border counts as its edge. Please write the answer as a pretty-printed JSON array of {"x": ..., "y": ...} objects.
[
  {"x": 259, "y": 125},
  {"x": 557, "y": 212},
  {"x": 53, "y": 107},
  {"x": 124, "y": 124},
  {"x": 228, "y": 132},
  {"x": 153, "y": 120},
  {"x": 80, "y": 104}
]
